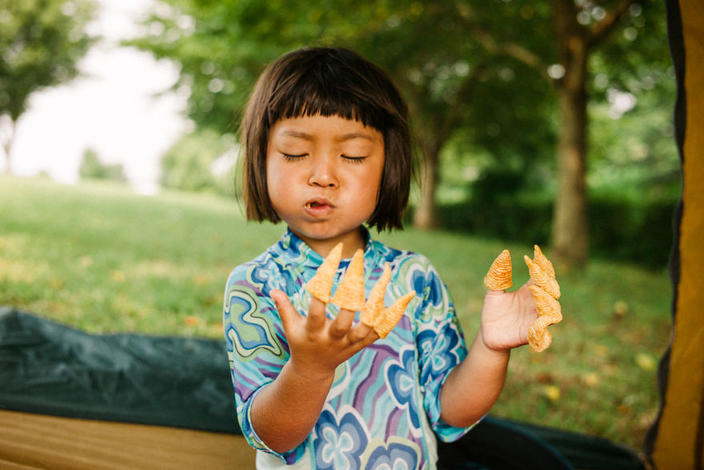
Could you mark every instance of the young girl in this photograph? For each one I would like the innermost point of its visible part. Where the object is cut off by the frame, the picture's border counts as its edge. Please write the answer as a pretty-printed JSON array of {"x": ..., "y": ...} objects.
[{"x": 327, "y": 149}]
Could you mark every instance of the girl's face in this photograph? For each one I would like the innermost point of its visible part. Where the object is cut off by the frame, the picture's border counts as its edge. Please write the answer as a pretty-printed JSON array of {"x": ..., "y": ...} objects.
[{"x": 323, "y": 176}]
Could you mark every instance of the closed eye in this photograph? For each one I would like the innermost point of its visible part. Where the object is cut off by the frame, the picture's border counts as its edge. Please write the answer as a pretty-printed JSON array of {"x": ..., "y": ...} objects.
[
  {"x": 352, "y": 159},
  {"x": 288, "y": 156}
]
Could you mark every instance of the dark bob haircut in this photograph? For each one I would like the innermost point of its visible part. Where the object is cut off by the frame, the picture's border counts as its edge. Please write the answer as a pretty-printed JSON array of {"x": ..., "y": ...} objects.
[{"x": 328, "y": 81}]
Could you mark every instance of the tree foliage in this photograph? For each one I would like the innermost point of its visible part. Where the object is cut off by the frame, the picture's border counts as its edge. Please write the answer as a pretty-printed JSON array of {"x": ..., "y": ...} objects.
[
  {"x": 485, "y": 82},
  {"x": 41, "y": 42},
  {"x": 93, "y": 168},
  {"x": 200, "y": 161}
]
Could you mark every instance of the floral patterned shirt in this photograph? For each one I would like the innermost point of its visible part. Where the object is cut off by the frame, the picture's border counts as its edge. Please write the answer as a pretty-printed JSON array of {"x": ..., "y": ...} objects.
[{"x": 384, "y": 403}]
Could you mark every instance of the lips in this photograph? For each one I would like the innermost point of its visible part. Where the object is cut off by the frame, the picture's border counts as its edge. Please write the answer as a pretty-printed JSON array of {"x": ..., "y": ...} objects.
[
  {"x": 318, "y": 203},
  {"x": 319, "y": 206}
]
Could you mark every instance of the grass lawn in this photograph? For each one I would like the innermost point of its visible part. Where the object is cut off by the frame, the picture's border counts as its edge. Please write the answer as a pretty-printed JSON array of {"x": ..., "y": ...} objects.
[{"x": 104, "y": 259}]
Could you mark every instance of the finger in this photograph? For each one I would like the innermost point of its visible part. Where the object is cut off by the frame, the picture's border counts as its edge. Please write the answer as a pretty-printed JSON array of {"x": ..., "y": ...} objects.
[
  {"x": 289, "y": 316},
  {"x": 360, "y": 332},
  {"x": 342, "y": 323},
  {"x": 316, "y": 315}
]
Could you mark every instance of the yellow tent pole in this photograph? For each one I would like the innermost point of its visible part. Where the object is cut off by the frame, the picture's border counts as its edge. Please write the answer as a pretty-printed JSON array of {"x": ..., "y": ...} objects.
[{"x": 676, "y": 440}]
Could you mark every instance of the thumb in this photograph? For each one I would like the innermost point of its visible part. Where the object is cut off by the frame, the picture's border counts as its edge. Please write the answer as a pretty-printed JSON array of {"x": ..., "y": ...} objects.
[{"x": 289, "y": 315}]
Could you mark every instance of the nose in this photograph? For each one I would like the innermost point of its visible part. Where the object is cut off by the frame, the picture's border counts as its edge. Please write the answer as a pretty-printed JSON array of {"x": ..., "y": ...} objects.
[{"x": 323, "y": 172}]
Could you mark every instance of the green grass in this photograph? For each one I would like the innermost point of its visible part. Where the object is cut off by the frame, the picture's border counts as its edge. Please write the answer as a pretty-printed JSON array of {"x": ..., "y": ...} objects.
[{"x": 103, "y": 259}]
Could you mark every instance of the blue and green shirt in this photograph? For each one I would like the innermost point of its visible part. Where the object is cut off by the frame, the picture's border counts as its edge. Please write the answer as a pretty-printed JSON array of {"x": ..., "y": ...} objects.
[{"x": 384, "y": 403}]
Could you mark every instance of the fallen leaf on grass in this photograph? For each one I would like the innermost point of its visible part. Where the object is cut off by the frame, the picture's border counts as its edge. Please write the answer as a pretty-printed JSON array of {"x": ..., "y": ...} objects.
[
  {"x": 118, "y": 276},
  {"x": 191, "y": 320},
  {"x": 645, "y": 361},
  {"x": 601, "y": 350},
  {"x": 201, "y": 280},
  {"x": 620, "y": 309},
  {"x": 551, "y": 392},
  {"x": 544, "y": 378},
  {"x": 591, "y": 379}
]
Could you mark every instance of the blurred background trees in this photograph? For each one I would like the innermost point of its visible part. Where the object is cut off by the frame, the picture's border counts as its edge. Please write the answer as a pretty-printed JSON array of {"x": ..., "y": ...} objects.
[
  {"x": 92, "y": 167},
  {"x": 41, "y": 43},
  {"x": 522, "y": 111}
]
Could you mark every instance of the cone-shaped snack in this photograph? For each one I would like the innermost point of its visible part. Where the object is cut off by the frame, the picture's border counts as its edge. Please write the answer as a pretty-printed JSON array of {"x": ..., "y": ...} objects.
[
  {"x": 499, "y": 276},
  {"x": 541, "y": 260},
  {"x": 542, "y": 279},
  {"x": 548, "y": 307},
  {"x": 549, "y": 312},
  {"x": 390, "y": 316},
  {"x": 375, "y": 302},
  {"x": 350, "y": 292},
  {"x": 539, "y": 339},
  {"x": 320, "y": 285}
]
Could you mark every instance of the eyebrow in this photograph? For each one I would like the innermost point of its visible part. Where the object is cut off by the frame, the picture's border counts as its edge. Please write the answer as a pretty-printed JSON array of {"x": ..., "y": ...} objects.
[{"x": 341, "y": 138}]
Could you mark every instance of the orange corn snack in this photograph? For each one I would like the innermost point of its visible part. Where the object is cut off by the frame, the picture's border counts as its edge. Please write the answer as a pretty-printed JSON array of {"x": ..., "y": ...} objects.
[
  {"x": 548, "y": 307},
  {"x": 499, "y": 276},
  {"x": 390, "y": 316},
  {"x": 320, "y": 285},
  {"x": 549, "y": 312},
  {"x": 375, "y": 302},
  {"x": 350, "y": 292},
  {"x": 542, "y": 261},
  {"x": 542, "y": 279},
  {"x": 539, "y": 339}
]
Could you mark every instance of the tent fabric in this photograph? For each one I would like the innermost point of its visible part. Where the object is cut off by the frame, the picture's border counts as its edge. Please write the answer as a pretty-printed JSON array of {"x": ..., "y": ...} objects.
[
  {"x": 676, "y": 439},
  {"x": 49, "y": 368},
  {"x": 71, "y": 397}
]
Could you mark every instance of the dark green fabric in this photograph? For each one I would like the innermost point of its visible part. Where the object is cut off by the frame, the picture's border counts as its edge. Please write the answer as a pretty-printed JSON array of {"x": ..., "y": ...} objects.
[{"x": 49, "y": 368}]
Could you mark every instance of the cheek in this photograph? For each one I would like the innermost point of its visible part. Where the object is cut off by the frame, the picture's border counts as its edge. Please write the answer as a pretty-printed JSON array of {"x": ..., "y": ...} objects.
[
  {"x": 275, "y": 181},
  {"x": 370, "y": 187}
]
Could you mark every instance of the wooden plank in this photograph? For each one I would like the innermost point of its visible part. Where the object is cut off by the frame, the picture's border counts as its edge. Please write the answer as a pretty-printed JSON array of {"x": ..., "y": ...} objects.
[{"x": 40, "y": 441}]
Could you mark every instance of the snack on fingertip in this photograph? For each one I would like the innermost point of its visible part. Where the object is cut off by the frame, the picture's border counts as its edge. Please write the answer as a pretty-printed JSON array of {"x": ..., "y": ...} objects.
[
  {"x": 499, "y": 276},
  {"x": 350, "y": 292},
  {"x": 542, "y": 278},
  {"x": 546, "y": 304},
  {"x": 392, "y": 315},
  {"x": 545, "y": 291},
  {"x": 375, "y": 302},
  {"x": 320, "y": 285},
  {"x": 542, "y": 261},
  {"x": 539, "y": 339}
]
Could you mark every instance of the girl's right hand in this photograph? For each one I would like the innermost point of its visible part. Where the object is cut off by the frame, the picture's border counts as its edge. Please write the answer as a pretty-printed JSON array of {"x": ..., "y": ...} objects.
[{"x": 316, "y": 343}]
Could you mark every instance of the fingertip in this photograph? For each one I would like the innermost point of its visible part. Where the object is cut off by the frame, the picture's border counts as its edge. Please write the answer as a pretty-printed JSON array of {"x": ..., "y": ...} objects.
[{"x": 275, "y": 295}]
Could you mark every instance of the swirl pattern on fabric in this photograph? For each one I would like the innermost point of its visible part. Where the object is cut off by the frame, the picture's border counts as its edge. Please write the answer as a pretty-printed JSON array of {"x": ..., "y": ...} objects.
[{"x": 373, "y": 413}]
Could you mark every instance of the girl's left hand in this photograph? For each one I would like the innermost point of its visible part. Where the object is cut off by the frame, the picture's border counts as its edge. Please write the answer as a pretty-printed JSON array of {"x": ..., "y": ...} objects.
[{"x": 506, "y": 318}]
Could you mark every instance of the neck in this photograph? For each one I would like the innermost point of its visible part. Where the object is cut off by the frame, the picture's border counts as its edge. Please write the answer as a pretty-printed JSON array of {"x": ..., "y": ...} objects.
[{"x": 351, "y": 242}]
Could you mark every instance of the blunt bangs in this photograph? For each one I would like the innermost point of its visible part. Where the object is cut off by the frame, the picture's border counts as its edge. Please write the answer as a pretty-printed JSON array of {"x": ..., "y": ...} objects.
[{"x": 328, "y": 82}]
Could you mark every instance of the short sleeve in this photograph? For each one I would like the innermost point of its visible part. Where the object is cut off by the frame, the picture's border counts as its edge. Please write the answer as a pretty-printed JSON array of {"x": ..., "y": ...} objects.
[
  {"x": 256, "y": 345},
  {"x": 440, "y": 344}
]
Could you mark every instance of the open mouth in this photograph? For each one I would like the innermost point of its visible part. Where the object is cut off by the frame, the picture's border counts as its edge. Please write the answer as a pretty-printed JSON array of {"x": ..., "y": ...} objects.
[{"x": 318, "y": 204}]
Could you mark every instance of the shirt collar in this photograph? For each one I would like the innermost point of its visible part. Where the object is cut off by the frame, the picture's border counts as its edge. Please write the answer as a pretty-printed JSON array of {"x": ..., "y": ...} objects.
[{"x": 295, "y": 250}]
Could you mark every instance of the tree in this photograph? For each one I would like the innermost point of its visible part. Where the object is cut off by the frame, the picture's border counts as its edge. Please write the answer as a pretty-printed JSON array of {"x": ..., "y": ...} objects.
[
  {"x": 41, "y": 42},
  {"x": 453, "y": 62},
  {"x": 199, "y": 161},
  {"x": 579, "y": 28},
  {"x": 447, "y": 78},
  {"x": 93, "y": 168}
]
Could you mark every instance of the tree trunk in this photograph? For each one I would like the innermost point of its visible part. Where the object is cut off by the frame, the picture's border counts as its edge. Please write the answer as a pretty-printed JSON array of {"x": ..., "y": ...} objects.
[
  {"x": 7, "y": 147},
  {"x": 425, "y": 216},
  {"x": 570, "y": 233}
]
